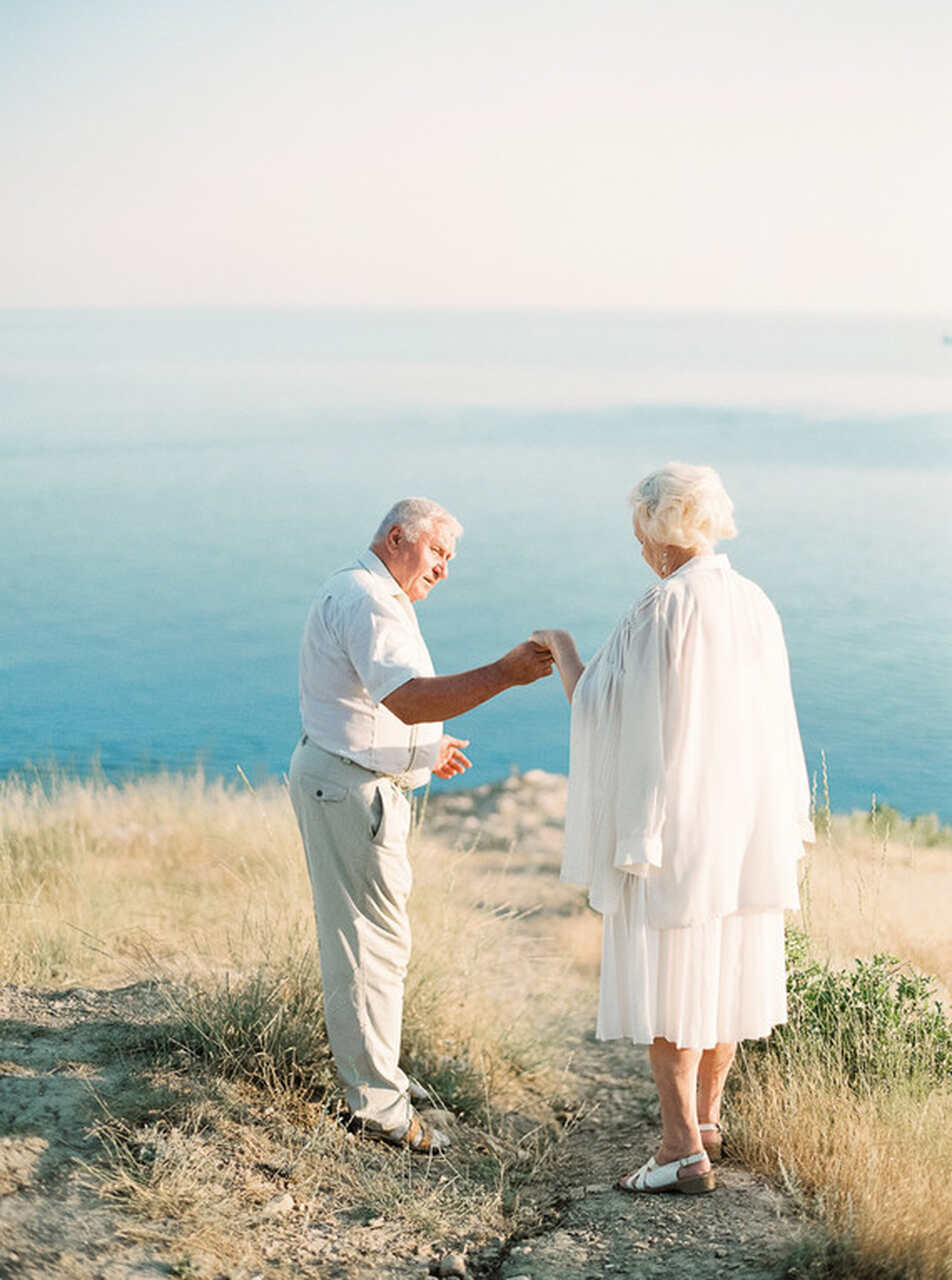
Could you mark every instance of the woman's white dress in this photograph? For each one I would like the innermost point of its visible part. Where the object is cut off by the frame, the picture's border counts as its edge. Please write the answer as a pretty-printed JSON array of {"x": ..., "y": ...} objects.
[{"x": 688, "y": 805}]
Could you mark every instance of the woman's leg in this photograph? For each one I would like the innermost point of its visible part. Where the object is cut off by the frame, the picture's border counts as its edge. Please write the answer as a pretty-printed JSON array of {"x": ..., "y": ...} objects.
[
  {"x": 712, "y": 1073},
  {"x": 676, "y": 1078}
]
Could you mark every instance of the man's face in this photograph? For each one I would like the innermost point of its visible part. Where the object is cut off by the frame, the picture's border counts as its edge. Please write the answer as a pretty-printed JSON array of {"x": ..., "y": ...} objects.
[{"x": 419, "y": 565}]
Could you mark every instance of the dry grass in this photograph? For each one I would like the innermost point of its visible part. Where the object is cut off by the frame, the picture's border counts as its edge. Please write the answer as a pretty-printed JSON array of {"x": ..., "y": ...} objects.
[
  {"x": 869, "y": 889},
  {"x": 203, "y": 888},
  {"x": 874, "y": 1162},
  {"x": 853, "y": 1108},
  {"x": 230, "y": 1097}
]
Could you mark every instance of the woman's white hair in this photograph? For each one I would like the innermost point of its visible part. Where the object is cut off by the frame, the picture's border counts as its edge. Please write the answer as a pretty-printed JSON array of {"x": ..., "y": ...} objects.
[
  {"x": 683, "y": 506},
  {"x": 415, "y": 516}
]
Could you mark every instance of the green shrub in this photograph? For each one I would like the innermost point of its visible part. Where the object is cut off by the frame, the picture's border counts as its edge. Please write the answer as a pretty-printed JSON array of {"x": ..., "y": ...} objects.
[
  {"x": 877, "y": 1021},
  {"x": 885, "y": 823}
]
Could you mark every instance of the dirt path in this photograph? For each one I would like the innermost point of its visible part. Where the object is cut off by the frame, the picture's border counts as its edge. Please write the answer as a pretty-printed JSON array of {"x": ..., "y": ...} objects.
[
  {"x": 743, "y": 1229},
  {"x": 61, "y": 1054},
  {"x": 592, "y": 1230}
]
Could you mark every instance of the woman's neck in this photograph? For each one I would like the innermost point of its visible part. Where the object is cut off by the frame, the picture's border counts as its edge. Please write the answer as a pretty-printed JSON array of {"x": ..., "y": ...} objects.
[{"x": 675, "y": 558}]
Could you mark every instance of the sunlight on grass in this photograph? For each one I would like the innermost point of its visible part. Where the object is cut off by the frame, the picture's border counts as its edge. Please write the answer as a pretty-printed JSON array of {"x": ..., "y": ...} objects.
[{"x": 202, "y": 888}]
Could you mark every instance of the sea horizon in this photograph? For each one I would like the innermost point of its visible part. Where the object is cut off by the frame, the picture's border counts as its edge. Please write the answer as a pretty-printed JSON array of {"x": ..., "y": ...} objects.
[{"x": 177, "y": 482}]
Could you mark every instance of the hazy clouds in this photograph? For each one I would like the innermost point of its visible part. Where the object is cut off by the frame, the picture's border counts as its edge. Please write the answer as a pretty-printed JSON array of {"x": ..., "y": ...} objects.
[{"x": 570, "y": 153}]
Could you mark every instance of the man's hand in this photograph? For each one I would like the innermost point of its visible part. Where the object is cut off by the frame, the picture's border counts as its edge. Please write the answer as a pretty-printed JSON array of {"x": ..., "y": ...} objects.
[
  {"x": 561, "y": 647},
  {"x": 451, "y": 760},
  {"x": 527, "y": 662}
]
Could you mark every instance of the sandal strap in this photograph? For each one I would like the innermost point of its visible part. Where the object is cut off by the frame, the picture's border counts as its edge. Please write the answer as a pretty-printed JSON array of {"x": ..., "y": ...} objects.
[
  {"x": 415, "y": 1132},
  {"x": 419, "y": 1135},
  {"x": 686, "y": 1160},
  {"x": 642, "y": 1178},
  {"x": 710, "y": 1127}
]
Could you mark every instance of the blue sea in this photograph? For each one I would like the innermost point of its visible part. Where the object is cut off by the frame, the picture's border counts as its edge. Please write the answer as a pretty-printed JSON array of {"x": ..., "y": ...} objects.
[{"x": 174, "y": 485}]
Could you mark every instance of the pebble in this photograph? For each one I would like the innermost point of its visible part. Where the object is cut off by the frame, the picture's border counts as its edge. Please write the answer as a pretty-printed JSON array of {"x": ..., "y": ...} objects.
[
  {"x": 452, "y": 1264},
  {"x": 277, "y": 1206}
]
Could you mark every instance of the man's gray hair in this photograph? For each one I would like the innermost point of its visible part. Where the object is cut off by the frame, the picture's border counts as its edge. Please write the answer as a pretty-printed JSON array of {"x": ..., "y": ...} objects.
[{"x": 415, "y": 516}]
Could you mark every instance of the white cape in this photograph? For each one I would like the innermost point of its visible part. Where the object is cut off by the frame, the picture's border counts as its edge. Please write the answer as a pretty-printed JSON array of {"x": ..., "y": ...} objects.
[{"x": 686, "y": 763}]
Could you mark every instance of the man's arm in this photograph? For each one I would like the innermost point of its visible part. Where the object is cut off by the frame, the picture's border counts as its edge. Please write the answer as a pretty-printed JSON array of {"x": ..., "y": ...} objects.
[{"x": 426, "y": 699}]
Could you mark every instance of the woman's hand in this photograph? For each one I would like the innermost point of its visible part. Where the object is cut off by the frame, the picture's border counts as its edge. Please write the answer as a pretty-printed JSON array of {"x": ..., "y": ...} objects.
[
  {"x": 550, "y": 639},
  {"x": 562, "y": 647}
]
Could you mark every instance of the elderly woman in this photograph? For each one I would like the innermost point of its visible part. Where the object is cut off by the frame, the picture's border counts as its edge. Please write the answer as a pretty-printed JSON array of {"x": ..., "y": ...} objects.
[{"x": 688, "y": 804}]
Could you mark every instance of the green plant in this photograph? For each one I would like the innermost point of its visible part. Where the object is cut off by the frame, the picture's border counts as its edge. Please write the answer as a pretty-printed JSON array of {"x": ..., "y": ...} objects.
[{"x": 878, "y": 1020}]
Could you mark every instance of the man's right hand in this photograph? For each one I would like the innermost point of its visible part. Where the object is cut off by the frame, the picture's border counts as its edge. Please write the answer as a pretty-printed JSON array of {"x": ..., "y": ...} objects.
[{"x": 527, "y": 662}]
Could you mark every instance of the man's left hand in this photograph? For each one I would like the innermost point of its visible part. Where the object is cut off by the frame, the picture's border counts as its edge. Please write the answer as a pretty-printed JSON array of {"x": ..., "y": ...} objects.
[{"x": 451, "y": 760}]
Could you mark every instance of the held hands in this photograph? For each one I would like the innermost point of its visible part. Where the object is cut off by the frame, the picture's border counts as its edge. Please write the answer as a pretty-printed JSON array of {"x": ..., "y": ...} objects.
[
  {"x": 562, "y": 648},
  {"x": 529, "y": 661},
  {"x": 558, "y": 643},
  {"x": 549, "y": 639},
  {"x": 451, "y": 760}
]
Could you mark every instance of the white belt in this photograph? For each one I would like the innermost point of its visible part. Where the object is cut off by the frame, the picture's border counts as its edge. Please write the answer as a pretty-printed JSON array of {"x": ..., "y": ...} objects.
[{"x": 400, "y": 780}]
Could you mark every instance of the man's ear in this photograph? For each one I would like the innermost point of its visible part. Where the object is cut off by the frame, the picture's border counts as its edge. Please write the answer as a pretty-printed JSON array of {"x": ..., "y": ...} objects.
[{"x": 394, "y": 536}]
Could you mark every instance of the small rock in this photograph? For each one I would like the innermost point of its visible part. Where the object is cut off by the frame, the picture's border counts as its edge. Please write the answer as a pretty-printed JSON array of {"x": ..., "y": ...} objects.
[
  {"x": 278, "y": 1206},
  {"x": 597, "y": 1188},
  {"x": 452, "y": 1264}
]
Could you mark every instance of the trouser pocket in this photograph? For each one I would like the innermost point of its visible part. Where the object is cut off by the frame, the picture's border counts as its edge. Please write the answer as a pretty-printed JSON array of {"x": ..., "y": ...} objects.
[{"x": 389, "y": 814}]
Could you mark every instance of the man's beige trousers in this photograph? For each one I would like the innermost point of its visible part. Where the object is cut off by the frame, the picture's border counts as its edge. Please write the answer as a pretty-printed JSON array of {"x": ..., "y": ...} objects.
[{"x": 354, "y": 825}]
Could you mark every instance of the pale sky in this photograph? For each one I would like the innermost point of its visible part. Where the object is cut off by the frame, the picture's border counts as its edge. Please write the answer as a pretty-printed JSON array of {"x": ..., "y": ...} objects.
[{"x": 703, "y": 153}]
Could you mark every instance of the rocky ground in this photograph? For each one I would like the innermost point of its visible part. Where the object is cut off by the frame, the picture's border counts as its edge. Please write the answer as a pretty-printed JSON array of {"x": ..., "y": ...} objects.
[
  {"x": 62, "y": 1058},
  {"x": 63, "y": 1062},
  {"x": 744, "y": 1229}
]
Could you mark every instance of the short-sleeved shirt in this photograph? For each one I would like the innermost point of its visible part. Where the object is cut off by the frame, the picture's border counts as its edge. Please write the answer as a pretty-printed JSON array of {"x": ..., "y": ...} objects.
[{"x": 361, "y": 642}]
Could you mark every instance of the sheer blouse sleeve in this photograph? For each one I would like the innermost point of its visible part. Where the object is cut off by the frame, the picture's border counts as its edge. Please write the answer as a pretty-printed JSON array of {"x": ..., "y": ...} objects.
[{"x": 616, "y": 799}]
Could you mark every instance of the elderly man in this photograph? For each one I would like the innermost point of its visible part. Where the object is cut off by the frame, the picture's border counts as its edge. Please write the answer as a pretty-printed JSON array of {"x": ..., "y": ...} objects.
[{"x": 372, "y": 711}]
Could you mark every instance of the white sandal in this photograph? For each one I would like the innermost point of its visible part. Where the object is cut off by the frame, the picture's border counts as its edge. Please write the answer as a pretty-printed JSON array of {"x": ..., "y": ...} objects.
[
  {"x": 653, "y": 1177},
  {"x": 714, "y": 1148}
]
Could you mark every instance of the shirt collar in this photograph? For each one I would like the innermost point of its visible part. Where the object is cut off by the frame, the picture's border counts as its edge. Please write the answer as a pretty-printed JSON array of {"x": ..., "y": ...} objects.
[
  {"x": 370, "y": 561},
  {"x": 716, "y": 561}
]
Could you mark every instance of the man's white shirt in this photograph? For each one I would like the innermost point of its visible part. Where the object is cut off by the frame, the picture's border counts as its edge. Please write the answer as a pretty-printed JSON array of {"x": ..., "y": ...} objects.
[{"x": 361, "y": 642}]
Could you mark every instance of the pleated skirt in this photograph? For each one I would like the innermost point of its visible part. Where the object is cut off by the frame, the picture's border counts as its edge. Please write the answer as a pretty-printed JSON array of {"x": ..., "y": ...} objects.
[{"x": 721, "y": 981}]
